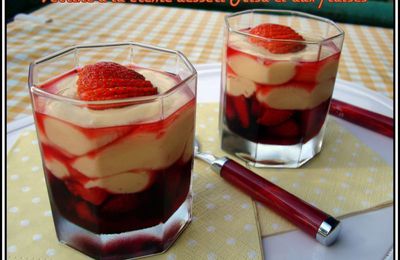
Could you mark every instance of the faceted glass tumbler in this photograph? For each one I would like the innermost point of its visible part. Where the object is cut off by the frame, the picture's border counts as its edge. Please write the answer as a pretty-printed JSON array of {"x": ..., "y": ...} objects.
[
  {"x": 276, "y": 92},
  {"x": 118, "y": 172}
]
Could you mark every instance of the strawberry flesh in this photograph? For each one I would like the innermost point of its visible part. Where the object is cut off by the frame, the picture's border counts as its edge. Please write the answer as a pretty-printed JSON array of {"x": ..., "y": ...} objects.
[
  {"x": 287, "y": 129},
  {"x": 120, "y": 204},
  {"x": 229, "y": 108},
  {"x": 242, "y": 112},
  {"x": 277, "y": 32},
  {"x": 96, "y": 196},
  {"x": 312, "y": 120},
  {"x": 272, "y": 116},
  {"x": 84, "y": 212}
]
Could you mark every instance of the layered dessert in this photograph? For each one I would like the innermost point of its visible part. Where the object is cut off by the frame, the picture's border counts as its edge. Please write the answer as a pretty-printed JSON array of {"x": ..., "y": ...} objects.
[
  {"x": 122, "y": 166},
  {"x": 278, "y": 91}
]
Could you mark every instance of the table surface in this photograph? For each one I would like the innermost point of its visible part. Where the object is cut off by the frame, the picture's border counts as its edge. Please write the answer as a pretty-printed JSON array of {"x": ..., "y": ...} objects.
[
  {"x": 367, "y": 55},
  {"x": 367, "y": 59}
]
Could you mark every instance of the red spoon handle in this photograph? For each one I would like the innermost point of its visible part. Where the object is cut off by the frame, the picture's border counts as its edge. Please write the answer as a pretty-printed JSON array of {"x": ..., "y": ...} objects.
[
  {"x": 376, "y": 122},
  {"x": 303, "y": 215}
]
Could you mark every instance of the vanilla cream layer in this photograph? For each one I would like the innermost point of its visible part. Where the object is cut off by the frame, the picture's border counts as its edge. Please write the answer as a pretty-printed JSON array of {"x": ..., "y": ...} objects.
[
  {"x": 71, "y": 140},
  {"x": 129, "y": 182},
  {"x": 293, "y": 97},
  {"x": 127, "y": 165},
  {"x": 144, "y": 150},
  {"x": 145, "y": 112},
  {"x": 237, "y": 86},
  {"x": 263, "y": 67}
]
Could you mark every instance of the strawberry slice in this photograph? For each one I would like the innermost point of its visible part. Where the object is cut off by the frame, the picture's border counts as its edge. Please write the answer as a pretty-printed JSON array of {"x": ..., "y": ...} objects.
[
  {"x": 85, "y": 212},
  {"x": 229, "y": 108},
  {"x": 312, "y": 120},
  {"x": 109, "y": 81},
  {"x": 272, "y": 116},
  {"x": 256, "y": 108},
  {"x": 95, "y": 196},
  {"x": 120, "y": 204},
  {"x": 287, "y": 129},
  {"x": 277, "y": 32},
  {"x": 240, "y": 105}
]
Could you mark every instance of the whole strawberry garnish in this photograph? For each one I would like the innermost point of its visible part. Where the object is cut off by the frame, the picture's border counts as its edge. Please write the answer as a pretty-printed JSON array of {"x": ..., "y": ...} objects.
[
  {"x": 277, "y": 32},
  {"x": 109, "y": 80}
]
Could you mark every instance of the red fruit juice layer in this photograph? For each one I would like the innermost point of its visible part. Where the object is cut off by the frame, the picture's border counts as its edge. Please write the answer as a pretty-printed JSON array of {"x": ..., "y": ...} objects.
[
  {"x": 127, "y": 248},
  {"x": 244, "y": 117},
  {"x": 275, "y": 99},
  {"x": 120, "y": 213},
  {"x": 106, "y": 182}
]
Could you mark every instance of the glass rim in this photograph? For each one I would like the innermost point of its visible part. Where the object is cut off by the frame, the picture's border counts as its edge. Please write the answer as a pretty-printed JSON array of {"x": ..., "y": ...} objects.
[
  {"x": 34, "y": 89},
  {"x": 289, "y": 12}
]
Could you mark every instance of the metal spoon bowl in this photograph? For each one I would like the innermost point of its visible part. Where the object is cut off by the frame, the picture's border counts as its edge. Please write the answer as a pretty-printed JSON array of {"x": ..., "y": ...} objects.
[{"x": 206, "y": 157}]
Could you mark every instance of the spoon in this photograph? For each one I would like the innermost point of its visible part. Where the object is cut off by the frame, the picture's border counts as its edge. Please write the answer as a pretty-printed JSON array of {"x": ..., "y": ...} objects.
[{"x": 323, "y": 227}]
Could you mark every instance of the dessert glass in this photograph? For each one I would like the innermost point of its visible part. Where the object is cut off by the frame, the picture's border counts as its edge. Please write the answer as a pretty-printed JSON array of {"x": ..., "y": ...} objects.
[
  {"x": 273, "y": 106},
  {"x": 118, "y": 172}
]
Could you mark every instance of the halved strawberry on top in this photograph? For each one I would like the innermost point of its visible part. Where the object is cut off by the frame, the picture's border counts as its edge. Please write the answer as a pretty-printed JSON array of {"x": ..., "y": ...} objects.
[
  {"x": 283, "y": 38},
  {"x": 109, "y": 81}
]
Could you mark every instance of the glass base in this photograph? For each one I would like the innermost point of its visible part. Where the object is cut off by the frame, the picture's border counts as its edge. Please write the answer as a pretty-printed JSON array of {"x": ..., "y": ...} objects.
[
  {"x": 132, "y": 244},
  {"x": 271, "y": 156}
]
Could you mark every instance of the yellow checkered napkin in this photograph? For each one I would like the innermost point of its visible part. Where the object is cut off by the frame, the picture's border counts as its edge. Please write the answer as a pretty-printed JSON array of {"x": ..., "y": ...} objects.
[
  {"x": 224, "y": 220},
  {"x": 345, "y": 178}
]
